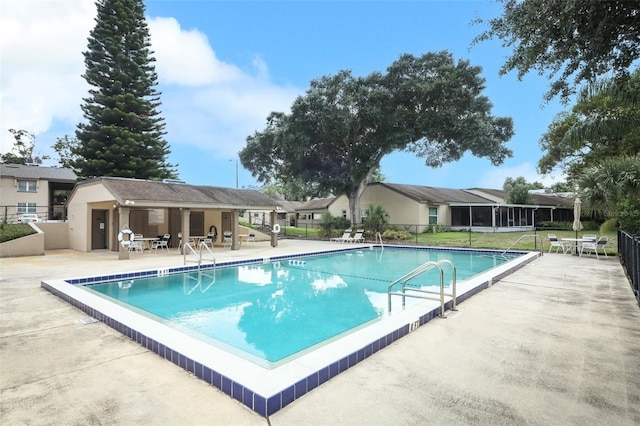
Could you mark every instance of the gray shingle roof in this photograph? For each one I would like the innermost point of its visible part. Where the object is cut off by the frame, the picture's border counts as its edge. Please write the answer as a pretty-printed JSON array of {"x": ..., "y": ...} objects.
[
  {"x": 316, "y": 204},
  {"x": 146, "y": 191},
  {"x": 434, "y": 195},
  {"x": 538, "y": 199},
  {"x": 51, "y": 174},
  {"x": 290, "y": 206}
]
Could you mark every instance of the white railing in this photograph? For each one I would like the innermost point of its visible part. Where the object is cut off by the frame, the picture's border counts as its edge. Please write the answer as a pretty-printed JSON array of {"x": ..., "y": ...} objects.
[
  {"x": 417, "y": 272},
  {"x": 188, "y": 249}
]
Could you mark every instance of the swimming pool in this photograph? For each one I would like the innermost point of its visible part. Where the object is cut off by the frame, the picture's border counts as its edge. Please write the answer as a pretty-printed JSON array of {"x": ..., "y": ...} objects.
[{"x": 267, "y": 309}]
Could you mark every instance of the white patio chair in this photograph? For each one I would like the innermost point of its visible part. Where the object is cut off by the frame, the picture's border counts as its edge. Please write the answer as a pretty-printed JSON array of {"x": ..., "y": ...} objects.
[
  {"x": 593, "y": 246},
  {"x": 251, "y": 238},
  {"x": 559, "y": 245},
  {"x": 137, "y": 245},
  {"x": 227, "y": 238},
  {"x": 207, "y": 242},
  {"x": 162, "y": 243}
]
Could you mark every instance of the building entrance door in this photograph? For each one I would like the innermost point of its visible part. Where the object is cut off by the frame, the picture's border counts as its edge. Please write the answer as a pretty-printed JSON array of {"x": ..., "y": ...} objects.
[{"x": 99, "y": 229}]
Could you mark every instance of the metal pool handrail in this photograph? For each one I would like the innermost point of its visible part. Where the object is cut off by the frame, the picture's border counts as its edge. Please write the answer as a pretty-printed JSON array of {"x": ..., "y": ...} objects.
[
  {"x": 417, "y": 272},
  {"x": 535, "y": 238},
  {"x": 189, "y": 247},
  {"x": 379, "y": 237}
]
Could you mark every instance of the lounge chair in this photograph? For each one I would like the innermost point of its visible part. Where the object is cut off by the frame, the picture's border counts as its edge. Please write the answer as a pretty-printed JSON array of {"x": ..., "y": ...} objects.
[
  {"x": 358, "y": 237},
  {"x": 346, "y": 236}
]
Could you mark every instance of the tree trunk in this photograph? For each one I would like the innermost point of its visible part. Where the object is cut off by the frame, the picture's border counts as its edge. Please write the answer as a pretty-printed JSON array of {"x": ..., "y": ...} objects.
[{"x": 354, "y": 198}]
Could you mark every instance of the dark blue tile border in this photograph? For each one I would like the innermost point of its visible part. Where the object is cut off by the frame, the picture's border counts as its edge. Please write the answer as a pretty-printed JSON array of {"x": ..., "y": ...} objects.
[{"x": 265, "y": 406}]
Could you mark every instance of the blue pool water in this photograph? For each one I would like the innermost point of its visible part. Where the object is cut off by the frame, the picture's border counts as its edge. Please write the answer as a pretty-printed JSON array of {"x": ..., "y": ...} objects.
[{"x": 277, "y": 309}]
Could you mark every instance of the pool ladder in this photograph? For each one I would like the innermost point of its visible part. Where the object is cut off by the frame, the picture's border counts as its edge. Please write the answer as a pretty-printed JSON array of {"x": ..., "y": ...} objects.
[
  {"x": 188, "y": 279},
  {"x": 426, "y": 267},
  {"x": 189, "y": 249}
]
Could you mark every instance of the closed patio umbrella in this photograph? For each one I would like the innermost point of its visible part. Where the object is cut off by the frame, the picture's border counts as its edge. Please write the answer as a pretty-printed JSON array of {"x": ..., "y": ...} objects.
[{"x": 577, "y": 225}]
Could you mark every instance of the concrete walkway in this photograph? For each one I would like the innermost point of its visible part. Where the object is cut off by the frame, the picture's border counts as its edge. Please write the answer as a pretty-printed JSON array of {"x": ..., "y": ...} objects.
[{"x": 557, "y": 342}]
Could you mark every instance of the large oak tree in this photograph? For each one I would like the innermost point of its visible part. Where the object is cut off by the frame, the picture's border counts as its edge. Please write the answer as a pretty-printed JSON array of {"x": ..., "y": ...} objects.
[
  {"x": 573, "y": 42},
  {"x": 338, "y": 132}
]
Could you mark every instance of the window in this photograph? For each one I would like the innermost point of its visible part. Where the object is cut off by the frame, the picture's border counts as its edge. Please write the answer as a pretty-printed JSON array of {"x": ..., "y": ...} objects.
[
  {"x": 460, "y": 216},
  {"x": 27, "y": 186},
  {"x": 481, "y": 216},
  {"x": 433, "y": 215},
  {"x": 26, "y": 207}
]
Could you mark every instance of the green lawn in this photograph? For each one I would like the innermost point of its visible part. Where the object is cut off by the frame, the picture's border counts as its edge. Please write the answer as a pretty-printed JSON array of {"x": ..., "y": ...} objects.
[
  {"x": 11, "y": 231},
  {"x": 503, "y": 240},
  {"x": 498, "y": 240}
]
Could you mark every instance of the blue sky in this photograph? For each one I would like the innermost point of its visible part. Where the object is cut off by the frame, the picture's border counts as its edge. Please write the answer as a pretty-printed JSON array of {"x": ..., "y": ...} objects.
[{"x": 223, "y": 66}]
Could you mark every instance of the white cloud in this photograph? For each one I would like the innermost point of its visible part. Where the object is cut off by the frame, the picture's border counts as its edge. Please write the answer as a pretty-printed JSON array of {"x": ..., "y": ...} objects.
[
  {"x": 42, "y": 63},
  {"x": 206, "y": 102},
  {"x": 495, "y": 177},
  {"x": 185, "y": 57}
]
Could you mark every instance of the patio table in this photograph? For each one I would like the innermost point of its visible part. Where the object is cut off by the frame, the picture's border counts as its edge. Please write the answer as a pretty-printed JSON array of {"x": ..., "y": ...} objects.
[
  {"x": 147, "y": 240},
  {"x": 575, "y": 247}
]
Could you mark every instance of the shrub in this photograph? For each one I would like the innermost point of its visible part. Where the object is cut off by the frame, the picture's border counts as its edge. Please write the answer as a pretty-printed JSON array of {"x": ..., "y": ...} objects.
[
  {"x": 329, "y": 222},
  {"x": 590, "y": 225},
  {"x": 391, "y": 234},
  {"x": 376, "y": 220},
  {"x": 438, "y": 228},
  {"x": 558, "y": 225}
]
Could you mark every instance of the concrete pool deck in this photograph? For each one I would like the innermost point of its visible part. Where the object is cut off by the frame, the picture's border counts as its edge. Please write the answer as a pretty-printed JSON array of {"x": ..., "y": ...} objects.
[{"x": 556, "y": 342}]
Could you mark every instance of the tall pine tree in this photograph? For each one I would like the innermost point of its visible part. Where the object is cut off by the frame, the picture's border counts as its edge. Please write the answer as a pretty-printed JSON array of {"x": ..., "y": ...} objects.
[{"x": 123, "y": 132}]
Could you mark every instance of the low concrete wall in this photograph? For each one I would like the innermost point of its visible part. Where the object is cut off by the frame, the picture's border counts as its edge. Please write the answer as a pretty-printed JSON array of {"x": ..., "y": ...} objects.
[
  {"x": 259, "y": 235},
  {"x": 31, "y": 245},
  {"x": 56, "y": 235}
]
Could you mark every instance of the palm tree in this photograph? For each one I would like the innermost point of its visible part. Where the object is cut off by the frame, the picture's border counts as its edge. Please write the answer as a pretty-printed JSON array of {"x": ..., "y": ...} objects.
[
  {"x": 376, "y": 219},
  {"x": 612, "y": 188},
  {"x": 621, "y": 115}
]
